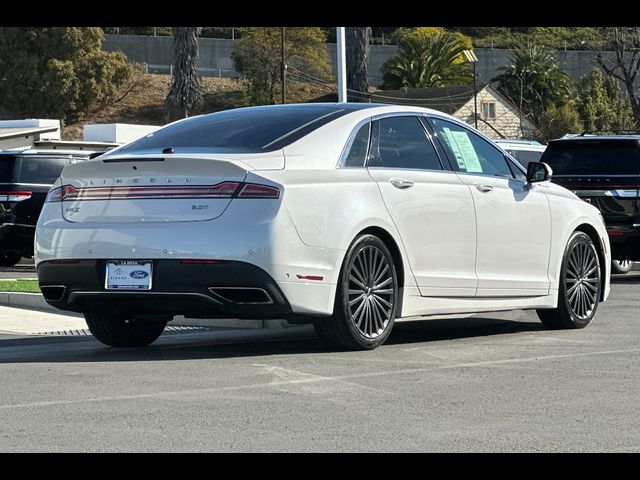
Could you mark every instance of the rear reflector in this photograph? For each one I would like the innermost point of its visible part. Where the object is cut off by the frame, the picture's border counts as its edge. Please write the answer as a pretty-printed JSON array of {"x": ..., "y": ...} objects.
[
  {"x": 310, "y": 277},
  {"x": 220, "y": 190},
  {"x": 16, "y": 196},
  {"x": 615, "y": 234},
  {"x": 202, "y": 261}
]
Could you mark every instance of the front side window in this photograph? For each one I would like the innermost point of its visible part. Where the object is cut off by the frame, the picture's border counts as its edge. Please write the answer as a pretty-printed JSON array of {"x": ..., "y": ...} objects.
[
  {"x": 402, "y": 142},
  {"x": 469, "y": 152},
  {"x": 358, "y": 149}
]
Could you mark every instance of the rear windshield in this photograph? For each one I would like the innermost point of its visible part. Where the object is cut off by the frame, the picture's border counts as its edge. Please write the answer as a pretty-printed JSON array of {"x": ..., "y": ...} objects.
[
  {"x": 44, "y": 170},
  {"x": 243, "y": 130},
  {"x": 31, "y": 169},
  {"x": 593, "y": 158}
]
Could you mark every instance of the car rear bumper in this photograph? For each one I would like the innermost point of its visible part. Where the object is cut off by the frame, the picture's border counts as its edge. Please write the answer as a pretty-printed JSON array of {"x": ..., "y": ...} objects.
[
  {"x": 230, "y": 289},
  {"x": 17, "y": 239}
]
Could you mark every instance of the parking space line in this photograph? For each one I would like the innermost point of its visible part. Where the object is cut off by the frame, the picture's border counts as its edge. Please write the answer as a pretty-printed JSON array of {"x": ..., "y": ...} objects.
[{"x": 313, "y": 379}]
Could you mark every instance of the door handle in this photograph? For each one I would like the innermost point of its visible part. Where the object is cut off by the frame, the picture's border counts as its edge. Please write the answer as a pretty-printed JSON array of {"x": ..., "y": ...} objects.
[
  {"x": 401, "y": 183},
  {"x": 484, "y": 188}
]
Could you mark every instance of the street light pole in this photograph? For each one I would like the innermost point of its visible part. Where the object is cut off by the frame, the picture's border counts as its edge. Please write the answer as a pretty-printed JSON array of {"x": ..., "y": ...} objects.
[{"x": 342, "y": 68}]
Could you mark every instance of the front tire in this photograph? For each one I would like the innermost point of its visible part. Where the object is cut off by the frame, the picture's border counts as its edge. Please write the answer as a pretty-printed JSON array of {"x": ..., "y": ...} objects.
[
  {"x": 579, "y": 291},
  {"x": 117, "y": 331},
  {"x": 367, "y": 298},
  {"x": 621, "y": 266},
  {"x": 9, "y": 260}
]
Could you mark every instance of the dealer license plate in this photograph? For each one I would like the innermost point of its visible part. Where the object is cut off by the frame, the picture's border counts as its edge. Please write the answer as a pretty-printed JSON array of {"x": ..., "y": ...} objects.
[{"x": 128, "y": 275}]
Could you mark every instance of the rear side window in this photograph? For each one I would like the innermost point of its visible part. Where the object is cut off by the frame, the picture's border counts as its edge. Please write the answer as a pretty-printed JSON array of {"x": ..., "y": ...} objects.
[
  {"x": 358, "y": 150},
  {"x": 43, "y": 170},
  {"x": 6, "y": 168},
  {"x": 402, "y": 142},
  {"x": 593, "y": 158}
]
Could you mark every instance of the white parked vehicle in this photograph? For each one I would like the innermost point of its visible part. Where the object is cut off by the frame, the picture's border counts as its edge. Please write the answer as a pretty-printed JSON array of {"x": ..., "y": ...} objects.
[
  {"x": 524, "y": 151},
  {"x": 350, "y": 216}
]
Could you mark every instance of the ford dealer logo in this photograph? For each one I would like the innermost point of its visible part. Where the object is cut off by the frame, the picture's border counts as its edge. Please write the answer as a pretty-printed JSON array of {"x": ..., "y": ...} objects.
[{"x": 138, "y": 274}]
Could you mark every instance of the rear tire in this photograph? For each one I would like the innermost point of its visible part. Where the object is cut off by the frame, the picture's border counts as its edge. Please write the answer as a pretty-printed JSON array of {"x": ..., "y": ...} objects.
[
  {"x": 621, "y": 266},
  {"x": 579, "y": 291},
  {"x": 367, "y": 298},
  {"x": 118, "y": 331},
  {"x": 9, "y": 260}
]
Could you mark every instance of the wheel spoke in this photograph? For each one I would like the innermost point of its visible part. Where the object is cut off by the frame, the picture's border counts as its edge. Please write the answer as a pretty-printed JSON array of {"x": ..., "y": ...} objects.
[
  {"x": 357, "y": 299},
  {"x": 380, "y": 299},
  {"x": 575, "y": 285},
  {"x": 357, "y": 315},
  {"x": 383, "y": 284},
  {"x": 358, "y": 283},
  {"x": 384, "y": 270}
]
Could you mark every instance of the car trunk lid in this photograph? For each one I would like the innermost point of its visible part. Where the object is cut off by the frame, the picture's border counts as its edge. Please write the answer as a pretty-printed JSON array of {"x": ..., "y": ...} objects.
[{"x": 150, "y": 189}]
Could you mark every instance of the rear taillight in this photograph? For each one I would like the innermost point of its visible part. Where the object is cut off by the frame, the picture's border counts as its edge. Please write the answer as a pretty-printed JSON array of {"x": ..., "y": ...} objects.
[
  {"x": 16, "y": 196},
  {"x": 221, "y": 190},
  {"x": 254, "y": 190}
]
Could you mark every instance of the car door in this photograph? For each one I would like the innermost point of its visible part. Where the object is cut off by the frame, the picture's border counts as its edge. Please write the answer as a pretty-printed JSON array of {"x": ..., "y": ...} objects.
[
  {"x": 513, "y": 217},
  {"x": 431, "y": 207}
]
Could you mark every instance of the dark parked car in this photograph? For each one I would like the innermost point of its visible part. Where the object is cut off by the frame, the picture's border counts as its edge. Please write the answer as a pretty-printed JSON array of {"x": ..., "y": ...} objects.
[
  {"x": 25, "y": 179},
  {"x": 604, "y": 171}
]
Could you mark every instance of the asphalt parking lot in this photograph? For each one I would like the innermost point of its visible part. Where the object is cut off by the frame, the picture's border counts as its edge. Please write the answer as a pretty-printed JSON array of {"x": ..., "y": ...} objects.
[{"x": 494, "y": 382}]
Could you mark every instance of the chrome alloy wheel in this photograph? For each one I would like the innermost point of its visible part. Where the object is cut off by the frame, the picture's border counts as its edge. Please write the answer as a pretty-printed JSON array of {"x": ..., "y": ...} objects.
[
  {"x": 582, "y": 280},
  {"x": 624, "y": 264},
  {"x": 371, "y": 292}
]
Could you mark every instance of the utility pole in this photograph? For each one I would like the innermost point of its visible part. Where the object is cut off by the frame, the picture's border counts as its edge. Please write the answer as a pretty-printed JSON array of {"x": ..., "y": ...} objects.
[
  {"x": 342, "y": 68},
  {"x": 283, "y": 68},
  {"x": 475, "y": 95}
]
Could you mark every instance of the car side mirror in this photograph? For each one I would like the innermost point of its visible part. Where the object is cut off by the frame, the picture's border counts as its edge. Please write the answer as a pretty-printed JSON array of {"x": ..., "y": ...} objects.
[{"x": 538, "y": 172}]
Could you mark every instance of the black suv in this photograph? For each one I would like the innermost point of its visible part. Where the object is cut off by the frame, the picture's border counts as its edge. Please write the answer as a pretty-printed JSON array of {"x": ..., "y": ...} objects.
[
  {"x": 604, "y": 171},
  {"x": 25, "y": 179}
]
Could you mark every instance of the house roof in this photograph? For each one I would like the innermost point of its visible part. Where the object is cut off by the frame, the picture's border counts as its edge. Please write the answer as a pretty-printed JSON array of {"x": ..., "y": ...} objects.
[{"x": 445, "y": 99}]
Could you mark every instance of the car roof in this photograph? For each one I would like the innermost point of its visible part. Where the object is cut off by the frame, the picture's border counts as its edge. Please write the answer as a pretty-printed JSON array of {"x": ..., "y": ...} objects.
[{"x": 587, "y": 138}]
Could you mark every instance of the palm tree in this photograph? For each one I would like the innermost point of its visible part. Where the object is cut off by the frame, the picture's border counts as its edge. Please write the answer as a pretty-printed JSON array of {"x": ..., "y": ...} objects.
[
  {"x": 427, "y": 61},
  {"x": 185, "y": 92},
  {"x": 534, "y": 80},
  {"x": 357, "y": 46}
]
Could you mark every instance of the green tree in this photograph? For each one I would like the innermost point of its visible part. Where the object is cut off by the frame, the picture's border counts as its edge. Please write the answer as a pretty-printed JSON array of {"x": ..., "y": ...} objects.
[
  {"x": 429, "y": 57},
  {"x": 534, "y": 81},
  {"x": 557, "y": 121},
  {"x": 257, "y": 56},
  {"x": 57, "y": 72},
  {"x": 624, "y": 63},
  {"x": 185, "y": 92},
  {"x": 600, "y": 105}
]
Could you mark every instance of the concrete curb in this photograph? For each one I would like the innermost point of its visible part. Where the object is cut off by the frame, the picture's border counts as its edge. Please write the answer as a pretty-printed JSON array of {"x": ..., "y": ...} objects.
[{"x": 35, "y": 301}]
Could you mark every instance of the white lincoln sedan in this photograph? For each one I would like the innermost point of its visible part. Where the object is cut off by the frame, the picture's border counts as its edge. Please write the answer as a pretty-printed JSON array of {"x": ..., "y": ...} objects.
[{"x": 349, "y": 216}]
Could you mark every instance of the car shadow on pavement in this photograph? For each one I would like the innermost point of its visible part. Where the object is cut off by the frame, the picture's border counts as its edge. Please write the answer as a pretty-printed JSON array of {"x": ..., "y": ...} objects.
[{"x": 298, "y": 340}]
